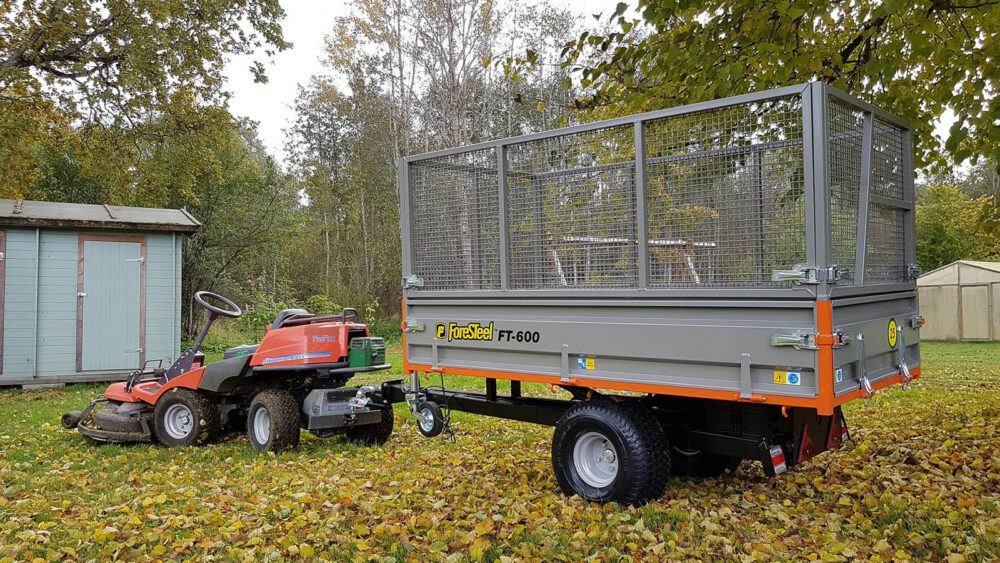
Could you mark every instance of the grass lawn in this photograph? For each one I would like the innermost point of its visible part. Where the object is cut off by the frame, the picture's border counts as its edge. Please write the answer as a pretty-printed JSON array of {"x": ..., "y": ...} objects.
[{"x": 920, "y": 480}]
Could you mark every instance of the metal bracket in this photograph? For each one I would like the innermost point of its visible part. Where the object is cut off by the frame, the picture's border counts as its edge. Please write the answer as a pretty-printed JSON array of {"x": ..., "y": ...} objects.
[
  {"x": 414, "y": 327},
  {"x": 800, "y": 340},
  {"x": 867, "y": 392},
  {"x": 913, "y": 271},
  {"x": 841, "y": 339},
  {"x": 140, "y": 260},
  {"x": 916, "y": 321},
  {"x": 803, "y": 274},
  {"x": 901, "y": 360},
  {"x": 412, "y": 281}
]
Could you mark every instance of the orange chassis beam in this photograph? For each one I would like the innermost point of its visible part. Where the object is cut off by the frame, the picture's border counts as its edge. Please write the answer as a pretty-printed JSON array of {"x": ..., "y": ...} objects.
[{"x": 824, "y": 402}]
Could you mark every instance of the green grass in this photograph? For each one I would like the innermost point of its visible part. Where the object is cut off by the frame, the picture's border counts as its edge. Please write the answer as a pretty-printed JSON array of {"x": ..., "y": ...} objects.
[{"x": 920, "y": 480}]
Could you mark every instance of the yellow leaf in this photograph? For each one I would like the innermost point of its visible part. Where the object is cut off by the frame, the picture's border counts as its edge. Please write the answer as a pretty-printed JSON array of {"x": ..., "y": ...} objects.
[
  {"x": 158, "y": 551},
  {"x": 484, "y": 527},
  {"x": 306, "y": 550}
]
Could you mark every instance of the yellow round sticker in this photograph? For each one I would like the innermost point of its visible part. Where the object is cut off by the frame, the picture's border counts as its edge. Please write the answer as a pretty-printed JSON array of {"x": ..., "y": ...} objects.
[{"x": 893, "y": 333}]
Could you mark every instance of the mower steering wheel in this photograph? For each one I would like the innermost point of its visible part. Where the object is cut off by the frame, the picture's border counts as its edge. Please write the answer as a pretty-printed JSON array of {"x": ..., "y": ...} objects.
[{"x": 233, "y": 312}]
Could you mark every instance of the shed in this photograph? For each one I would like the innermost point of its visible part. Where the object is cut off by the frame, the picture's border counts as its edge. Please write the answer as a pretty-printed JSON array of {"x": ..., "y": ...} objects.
[
  {"x": 88, "y": 292},
  {"x": 961, "y": 301}
]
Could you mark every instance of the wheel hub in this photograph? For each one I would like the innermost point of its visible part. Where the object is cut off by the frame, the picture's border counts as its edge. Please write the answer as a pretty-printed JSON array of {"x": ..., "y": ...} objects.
[
  {"x": 262, "y": 426},
  {"x": 178, "y": 421},
  {"x": 595, "y": 459}
]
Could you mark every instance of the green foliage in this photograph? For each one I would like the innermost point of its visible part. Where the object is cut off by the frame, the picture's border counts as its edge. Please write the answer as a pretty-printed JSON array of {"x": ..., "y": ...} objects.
[
  {"x": 951, "y": 225},
  {"x": 320, "y": 305},
  {"x": 116, "y": 70},
  {"x": 915, "y": 59}
]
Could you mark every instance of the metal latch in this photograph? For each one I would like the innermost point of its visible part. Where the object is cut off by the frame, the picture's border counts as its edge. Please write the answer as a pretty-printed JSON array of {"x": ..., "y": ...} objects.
[
  {"x": 81, "y": 294},
  {"x": 867, "y": 392},
  {"x": 412, "y": 281},
  {"x": 913, "y": 271},
  {"x": 840, "y": 339},
  {"x": 414, "y": 327},
  {"x": 140, "y": 260},
  {"x": 801, "y": 273},
  {"x": 800, "y": 340},
  {"x": 904, "y": 369}
]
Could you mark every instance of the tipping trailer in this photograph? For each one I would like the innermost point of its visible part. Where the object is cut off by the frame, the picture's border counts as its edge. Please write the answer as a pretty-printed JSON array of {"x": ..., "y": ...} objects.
[{"x": 710, "y": 282}]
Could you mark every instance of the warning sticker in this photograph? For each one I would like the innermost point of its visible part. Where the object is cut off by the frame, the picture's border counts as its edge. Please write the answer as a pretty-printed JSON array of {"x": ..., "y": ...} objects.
[
  {"x": 786, "y": 377},
  {"x": 586, "y": 362},
  {"x": 839, "y": 375},
  {"x": 893, "y": 333}
]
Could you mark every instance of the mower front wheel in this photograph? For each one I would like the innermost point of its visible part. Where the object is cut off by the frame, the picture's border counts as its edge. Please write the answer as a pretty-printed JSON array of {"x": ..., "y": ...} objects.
[
  {"x": 273, "y": 421},
  {"x": 184, "y": 417}
]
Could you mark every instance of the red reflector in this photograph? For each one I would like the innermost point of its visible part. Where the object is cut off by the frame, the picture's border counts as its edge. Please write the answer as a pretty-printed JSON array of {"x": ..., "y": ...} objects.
[
  {"x": 836, "y": 435},
  {"x": 806, "y": 451},
  {"x": 778, "y": 460}
]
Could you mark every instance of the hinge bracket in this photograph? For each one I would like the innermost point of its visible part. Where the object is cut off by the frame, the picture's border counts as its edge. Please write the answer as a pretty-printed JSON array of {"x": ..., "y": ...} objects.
[
  {"x": 412, "y": 281},
  {"x": 800, "y": 340},
  {"x": 804, "y": 274}
]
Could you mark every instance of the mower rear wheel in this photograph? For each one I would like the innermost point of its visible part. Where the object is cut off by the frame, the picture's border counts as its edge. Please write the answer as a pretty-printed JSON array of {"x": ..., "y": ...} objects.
[
  {"x": 273, "y": 421},
  {"x": 373, "y": 434},
  {"x": 184, "y": 417}
]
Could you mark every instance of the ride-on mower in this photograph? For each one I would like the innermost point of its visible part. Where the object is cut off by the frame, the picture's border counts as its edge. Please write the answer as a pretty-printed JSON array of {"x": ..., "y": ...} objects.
[{"x": 293, "y": 379}]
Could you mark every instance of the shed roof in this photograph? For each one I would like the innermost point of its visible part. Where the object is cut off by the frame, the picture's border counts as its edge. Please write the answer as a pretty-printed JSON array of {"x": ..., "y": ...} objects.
[
  {"x": 958, "y": 272},
  {"x": 25, "y": 213}
]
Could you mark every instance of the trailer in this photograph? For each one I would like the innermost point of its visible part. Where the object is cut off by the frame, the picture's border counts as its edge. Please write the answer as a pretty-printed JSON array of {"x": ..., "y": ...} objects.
[{"x": 711, "y": 283}]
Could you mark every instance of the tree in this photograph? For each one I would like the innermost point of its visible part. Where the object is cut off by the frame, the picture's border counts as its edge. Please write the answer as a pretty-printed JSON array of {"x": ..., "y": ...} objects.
[
  {"x": 107, "y": 66},
  {"x": 915, "y": 59},
  {"x": 951, "y": 225}
]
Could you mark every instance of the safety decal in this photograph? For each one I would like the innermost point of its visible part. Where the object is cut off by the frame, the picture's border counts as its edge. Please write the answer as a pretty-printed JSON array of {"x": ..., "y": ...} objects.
[
  {"x": 305, "y": 356},
  {"x": 839, "y": 374},
  {"x": 893, "y": 333},
  {"x": 785, "y": 377},
  {"x": 586, "y": 362}
]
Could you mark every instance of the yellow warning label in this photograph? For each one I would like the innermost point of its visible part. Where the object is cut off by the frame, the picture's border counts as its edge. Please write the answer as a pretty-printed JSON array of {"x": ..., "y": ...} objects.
[
  {"x": 787, "y": 377},
  {"x": 780, "y": 377},
  {"x": 591, "y": 363},
  {"x": 893, "y": 333}
]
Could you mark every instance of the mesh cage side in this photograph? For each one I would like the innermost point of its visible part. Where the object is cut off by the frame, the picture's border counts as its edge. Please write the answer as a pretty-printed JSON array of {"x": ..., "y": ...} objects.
[
  {"x": 571, "y": 210},
  {"x": 454, "y": 225},
  {"x": 846, "y": 129},
  {"x": 726, "y": 195},
  {"x": 885, "y": 251}
]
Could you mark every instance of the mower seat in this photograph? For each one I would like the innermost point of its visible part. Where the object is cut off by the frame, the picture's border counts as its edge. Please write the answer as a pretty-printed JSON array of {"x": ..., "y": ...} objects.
[{"x": 286, "y": 314}]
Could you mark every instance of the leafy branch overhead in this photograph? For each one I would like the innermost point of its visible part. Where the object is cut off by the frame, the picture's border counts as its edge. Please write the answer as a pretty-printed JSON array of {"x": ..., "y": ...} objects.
[
  {"x": 116, "y": 60},
  {"x": 916, "y": 59}
]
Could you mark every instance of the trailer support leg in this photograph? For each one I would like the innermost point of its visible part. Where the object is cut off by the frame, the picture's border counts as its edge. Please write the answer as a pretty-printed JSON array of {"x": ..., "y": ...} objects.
[
  {"x": 515, "y": 389},
  {"x": 491, "y": 389}
]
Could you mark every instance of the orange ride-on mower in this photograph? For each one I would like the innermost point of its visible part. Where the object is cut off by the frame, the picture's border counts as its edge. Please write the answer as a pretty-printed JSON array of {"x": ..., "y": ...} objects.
[{"x": 293, "y": 379}]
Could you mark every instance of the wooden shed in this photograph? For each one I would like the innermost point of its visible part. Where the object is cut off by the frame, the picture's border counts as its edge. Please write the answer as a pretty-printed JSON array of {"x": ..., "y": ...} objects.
[
  {"x": 961, "y": 301},
  {"x": 88, "y": 292}
]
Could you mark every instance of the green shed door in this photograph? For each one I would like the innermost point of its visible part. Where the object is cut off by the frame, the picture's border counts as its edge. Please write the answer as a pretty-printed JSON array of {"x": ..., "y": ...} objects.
[{"x": 112, "y": 300}]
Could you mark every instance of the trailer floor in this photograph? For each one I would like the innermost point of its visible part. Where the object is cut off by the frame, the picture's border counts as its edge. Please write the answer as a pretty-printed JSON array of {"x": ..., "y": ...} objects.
[{"x": 921, "y": 480}]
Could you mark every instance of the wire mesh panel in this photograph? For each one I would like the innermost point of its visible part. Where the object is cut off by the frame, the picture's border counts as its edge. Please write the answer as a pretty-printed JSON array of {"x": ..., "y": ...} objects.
[
  {"x": 454, "y": 225},
  {"x": 571, "y": 210},
  {"x": 725, "y": 195},
  {"x": 846, "y": 128},
  {"x": 885, "y": 251},
  {"x": 725, "y": 189}
]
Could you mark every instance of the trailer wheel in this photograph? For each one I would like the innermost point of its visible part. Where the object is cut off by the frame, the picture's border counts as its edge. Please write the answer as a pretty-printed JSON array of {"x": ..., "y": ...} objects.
[
  {"x": 608, "y": 452},
  {"x": 433, "y": 419},
  {"x": 273, "y": 421},
  {"x": 373, "y": 434},
  {"x": 184, "y": 417}
]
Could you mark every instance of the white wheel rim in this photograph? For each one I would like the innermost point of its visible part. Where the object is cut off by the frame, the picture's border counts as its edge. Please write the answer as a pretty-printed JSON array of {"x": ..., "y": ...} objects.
[
  {"x": 262, "y": 426},
  {"x": 428, "y": 423},
  {"x": 178, "y": 421},
  {"x": 595, "y": 459}
]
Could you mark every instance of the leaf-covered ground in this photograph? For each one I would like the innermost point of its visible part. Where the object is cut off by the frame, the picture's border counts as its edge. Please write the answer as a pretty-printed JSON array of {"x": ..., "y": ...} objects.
[{"x": 921, "y": 480}]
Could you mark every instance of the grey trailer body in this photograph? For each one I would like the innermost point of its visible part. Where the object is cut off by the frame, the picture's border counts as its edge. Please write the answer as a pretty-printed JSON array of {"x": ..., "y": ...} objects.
[{"x": 778, "y": 257}]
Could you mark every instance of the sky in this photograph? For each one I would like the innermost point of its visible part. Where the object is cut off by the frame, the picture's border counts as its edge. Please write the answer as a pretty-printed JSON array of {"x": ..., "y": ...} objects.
[{"x": 306, "y": 24}]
